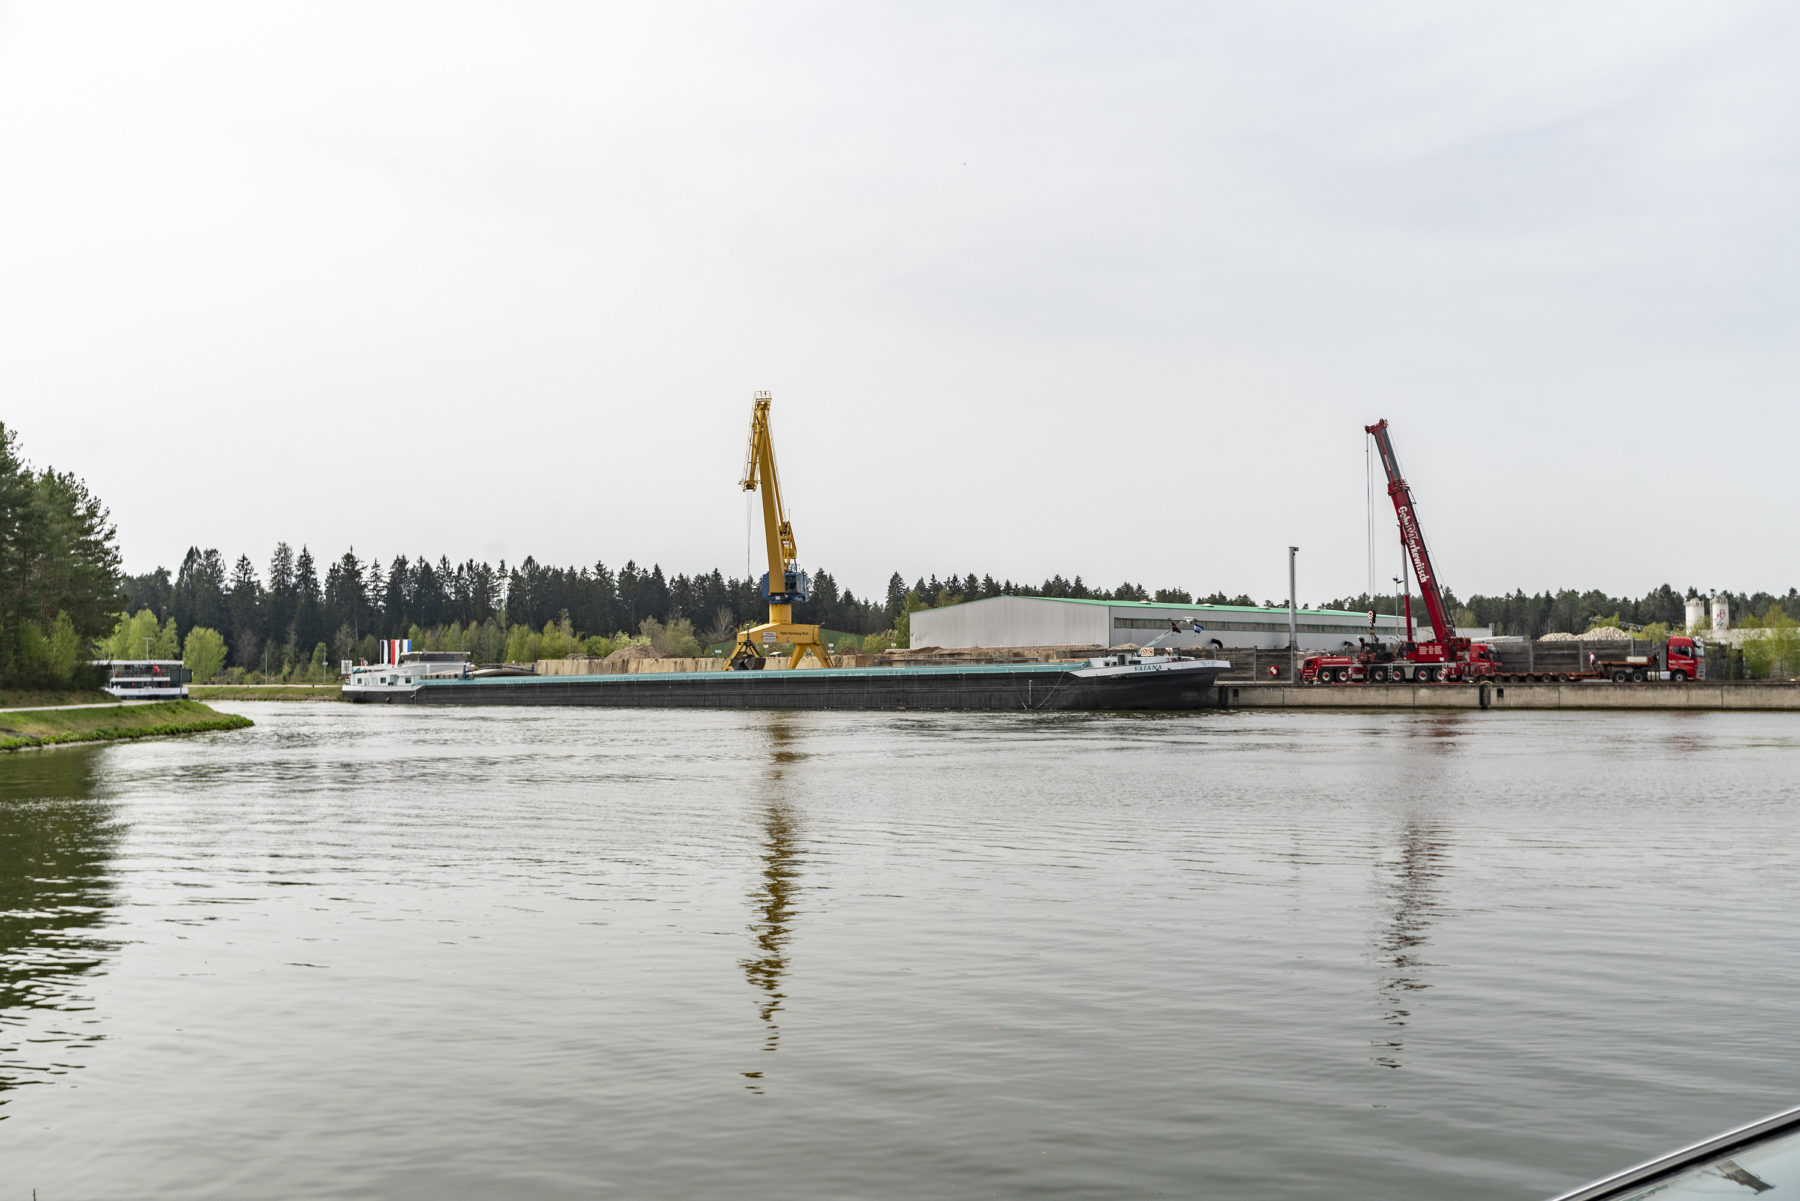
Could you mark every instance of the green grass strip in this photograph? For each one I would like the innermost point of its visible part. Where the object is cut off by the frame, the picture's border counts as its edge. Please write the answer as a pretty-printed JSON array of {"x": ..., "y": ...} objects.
[{"x": 52, "y": 727}]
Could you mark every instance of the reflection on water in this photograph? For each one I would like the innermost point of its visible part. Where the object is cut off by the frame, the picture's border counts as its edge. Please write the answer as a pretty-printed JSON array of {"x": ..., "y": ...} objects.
[
  {"x": 773, "y": 899},
  {"x": 377, "y": 952},
  {"x": 1414, "y": 897},
  {"x": 56, "y": 889}
]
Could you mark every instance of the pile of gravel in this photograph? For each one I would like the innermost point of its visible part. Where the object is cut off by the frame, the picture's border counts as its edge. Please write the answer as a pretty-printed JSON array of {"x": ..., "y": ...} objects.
[{"x": 1597, "y": 634}]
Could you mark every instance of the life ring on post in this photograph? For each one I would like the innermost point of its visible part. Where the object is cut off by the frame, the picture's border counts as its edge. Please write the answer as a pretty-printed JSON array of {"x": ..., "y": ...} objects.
[{"x": 1274, "y": 672}]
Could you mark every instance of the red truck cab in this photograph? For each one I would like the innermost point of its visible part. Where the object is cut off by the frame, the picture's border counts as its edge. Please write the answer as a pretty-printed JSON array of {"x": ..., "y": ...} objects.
[{"x": 1685, "y": 659}]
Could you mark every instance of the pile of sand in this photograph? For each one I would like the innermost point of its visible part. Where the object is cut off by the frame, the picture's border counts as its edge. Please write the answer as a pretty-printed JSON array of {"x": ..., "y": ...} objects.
[{"x": 634, "y": 651}]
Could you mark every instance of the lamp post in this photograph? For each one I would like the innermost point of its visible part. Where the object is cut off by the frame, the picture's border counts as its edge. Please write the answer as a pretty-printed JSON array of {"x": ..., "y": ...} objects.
[{"x": 1293, "y": 624}]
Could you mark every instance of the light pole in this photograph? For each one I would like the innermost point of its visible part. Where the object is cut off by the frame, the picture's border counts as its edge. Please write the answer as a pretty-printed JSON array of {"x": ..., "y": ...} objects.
[{"x": 1293, "y": 624}]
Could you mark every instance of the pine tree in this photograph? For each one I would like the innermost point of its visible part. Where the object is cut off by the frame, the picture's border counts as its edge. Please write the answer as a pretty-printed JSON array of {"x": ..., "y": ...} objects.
[{"x": 245, "y": 600}]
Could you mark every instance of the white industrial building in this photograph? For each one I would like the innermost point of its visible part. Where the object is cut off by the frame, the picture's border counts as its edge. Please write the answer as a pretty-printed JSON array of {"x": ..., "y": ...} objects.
[{"x": 1057, "y": 621}]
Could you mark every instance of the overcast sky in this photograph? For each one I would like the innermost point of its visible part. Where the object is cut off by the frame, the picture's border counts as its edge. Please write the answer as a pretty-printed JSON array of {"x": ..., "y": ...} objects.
[{"x": 1108, "y": 289}]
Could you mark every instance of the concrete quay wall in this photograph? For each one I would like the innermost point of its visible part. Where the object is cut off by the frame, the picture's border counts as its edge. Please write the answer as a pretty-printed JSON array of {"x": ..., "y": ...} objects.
[{"x": 1694, "y": 695}]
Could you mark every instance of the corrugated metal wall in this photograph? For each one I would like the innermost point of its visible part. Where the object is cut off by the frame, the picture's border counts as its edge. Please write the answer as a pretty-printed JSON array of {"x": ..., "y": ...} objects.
[
  {"x": 1011, "y": 621},
  {"x": 1038, "y": 621},
  {"x": 1267, "y": 629}
]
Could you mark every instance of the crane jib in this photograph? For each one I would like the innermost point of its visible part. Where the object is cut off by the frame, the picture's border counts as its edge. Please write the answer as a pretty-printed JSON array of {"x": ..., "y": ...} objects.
[
  {"x": 1410, "y": 535},
  {"x": 1415, "y": 544}
]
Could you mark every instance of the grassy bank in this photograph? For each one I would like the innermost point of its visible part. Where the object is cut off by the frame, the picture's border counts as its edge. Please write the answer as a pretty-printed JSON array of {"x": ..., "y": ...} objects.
[
  {"x": 50, "y": 727},
  {"x": 32, "y": 698},
  {"x": 265, "y": 692}
]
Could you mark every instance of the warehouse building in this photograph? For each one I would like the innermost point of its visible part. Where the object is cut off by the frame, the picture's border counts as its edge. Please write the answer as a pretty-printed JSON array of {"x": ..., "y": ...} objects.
[{"x": 1057, "y": 621}]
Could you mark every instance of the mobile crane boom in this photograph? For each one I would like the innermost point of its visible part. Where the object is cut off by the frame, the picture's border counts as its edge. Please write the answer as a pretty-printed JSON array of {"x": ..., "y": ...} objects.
[
  {"x": 785, "y": 584},
  {"x": 1447, "y": 657},
  {"x": 1442, "y": 630}
]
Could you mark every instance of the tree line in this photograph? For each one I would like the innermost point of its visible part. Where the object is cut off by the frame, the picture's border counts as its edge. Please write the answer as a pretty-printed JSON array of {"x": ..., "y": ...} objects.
[
  {"x": 1568, "y": 611},
  {"x": 64, "y": 600},
  {"x": 59, "y": 574},
  {"x": 292, "y": 618}
]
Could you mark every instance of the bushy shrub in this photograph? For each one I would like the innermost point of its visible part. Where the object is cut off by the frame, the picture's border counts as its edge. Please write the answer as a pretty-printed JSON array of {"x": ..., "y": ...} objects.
[
  {"x": 675, "y": 640},
  {"x": 204, "y": 654}
]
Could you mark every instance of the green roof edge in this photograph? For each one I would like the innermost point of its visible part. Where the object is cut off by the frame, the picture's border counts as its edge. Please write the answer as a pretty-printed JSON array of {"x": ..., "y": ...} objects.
[{"x": 1202, "y": 608}]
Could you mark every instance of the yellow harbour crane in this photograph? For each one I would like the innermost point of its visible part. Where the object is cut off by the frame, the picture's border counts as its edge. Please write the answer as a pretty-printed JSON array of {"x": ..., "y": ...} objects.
[{"x": 785, "y": 585}]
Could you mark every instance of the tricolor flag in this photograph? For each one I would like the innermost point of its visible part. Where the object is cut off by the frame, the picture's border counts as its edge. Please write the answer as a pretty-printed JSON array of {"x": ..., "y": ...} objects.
[{"x": 393, "y": 648}]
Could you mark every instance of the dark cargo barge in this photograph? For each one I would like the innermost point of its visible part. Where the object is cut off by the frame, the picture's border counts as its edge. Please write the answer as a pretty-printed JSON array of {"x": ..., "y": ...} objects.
[{"x": 1126, "y": 682}]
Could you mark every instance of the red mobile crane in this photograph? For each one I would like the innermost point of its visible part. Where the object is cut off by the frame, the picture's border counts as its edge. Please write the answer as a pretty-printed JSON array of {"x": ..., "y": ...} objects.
[
  {"x": 1452, "y": 659},
  {"x": 1446, "y": 656}
]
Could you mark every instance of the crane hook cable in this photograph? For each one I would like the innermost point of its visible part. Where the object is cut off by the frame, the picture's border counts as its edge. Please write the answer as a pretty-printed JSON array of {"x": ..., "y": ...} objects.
[{"x": 1369, "y": 512}]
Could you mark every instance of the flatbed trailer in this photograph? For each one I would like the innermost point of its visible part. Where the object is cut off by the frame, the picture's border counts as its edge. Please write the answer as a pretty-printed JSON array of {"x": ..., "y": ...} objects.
[{"x": 1679, "y": 660}]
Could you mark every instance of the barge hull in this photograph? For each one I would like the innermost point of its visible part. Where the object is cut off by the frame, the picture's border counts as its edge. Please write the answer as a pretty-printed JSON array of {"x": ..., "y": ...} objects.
[{"x": 1057, "y": 688}]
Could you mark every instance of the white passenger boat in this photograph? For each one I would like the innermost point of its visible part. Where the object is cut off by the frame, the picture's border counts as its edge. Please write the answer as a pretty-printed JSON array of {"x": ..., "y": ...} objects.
[{"x": 146, "y": 679}]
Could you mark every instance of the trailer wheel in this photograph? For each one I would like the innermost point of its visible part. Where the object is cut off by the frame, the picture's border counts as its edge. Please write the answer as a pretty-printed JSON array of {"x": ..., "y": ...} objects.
[
  {"x": 1562, "y": 677},
  {"x": 1619, "y": 677},
  {"x": 1680, "y": 677},
  {"x": 1637, "y": 677}
]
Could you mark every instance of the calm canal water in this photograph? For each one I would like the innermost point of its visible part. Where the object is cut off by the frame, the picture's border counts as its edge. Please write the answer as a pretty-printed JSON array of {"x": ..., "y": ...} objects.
[{"x": 359, "y": 953}]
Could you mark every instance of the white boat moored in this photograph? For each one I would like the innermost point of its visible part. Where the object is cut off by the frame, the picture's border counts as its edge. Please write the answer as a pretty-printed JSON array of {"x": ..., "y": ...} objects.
[{"x": 146, "y": 679}]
